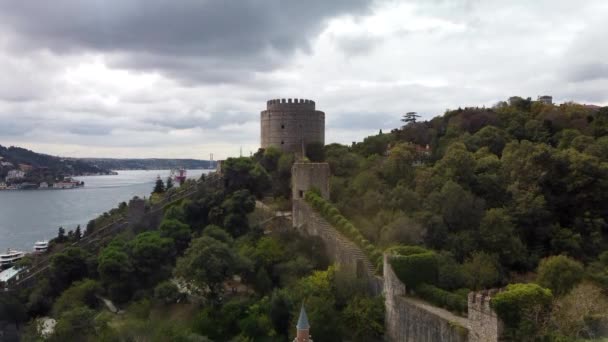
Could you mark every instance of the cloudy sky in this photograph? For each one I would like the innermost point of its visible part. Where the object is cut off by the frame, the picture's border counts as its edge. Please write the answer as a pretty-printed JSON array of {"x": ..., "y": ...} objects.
[{"x": 161, "y": 78}]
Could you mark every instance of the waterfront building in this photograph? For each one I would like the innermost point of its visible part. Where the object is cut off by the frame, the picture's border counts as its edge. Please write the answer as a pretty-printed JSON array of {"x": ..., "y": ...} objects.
[
  {"x": 67, "y": 184},
  {"x": 44, "y": 185},
  {"x": 9, "y": 258},
  {"x": 9, "y": 274},
  {"x": 2, "y": 186},
  {"x": 14, "y": 174},
  {"x": 41, "y": 246}
]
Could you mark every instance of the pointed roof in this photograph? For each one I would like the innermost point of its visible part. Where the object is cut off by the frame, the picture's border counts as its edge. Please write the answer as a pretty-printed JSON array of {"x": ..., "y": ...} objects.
[{"x": 303, "y": 320}]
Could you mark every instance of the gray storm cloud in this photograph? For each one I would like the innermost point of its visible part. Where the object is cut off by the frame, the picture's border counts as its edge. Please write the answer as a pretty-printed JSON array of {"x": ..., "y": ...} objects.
[
  {"x": 184, "y": 78},
  {"x": 201, "y": 41}
]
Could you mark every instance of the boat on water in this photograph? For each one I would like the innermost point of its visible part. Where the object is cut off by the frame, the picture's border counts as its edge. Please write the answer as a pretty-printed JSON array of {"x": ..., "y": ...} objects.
[
  {"x": 41, "y": 246},
  {"x": 9, "y": 258},
  {"x": 179, "y": 175}
]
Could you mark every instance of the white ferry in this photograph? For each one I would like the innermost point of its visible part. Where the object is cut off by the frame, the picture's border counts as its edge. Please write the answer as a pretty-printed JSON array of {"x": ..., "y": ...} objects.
[
  {"x": 9, "y": 258},
  {"x": 41, "y": 246}
]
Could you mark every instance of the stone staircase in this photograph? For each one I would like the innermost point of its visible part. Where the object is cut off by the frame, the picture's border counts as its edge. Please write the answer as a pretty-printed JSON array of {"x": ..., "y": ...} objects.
[{"x": 346, "y": 246}]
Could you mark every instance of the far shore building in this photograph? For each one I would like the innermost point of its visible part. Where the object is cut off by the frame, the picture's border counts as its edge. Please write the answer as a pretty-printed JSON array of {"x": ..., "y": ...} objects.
[
  {"x": 25, "y": 167},
  {"x": 14, "y": 174}
]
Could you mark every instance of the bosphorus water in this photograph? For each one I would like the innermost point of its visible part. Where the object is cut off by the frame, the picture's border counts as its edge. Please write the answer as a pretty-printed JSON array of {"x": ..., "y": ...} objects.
[{"x": 31, "y": 215}]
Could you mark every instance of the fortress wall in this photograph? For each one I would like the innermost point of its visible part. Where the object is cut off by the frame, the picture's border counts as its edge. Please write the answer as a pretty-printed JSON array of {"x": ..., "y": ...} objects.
[
  {"x": 485, "y": 324},
  {"x": 340, "y": 250},
  {"x": 306, "y": 176},
  {"x": 408, "y": 319}
]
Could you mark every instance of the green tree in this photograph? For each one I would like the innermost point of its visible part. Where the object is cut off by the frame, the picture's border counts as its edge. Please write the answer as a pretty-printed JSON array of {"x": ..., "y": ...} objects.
[
  {"x": 116, "y": 272},
  {"x": 207, "y": 263},
  {"x": 497, "y": 235},
  {"x": 74, "y": 325},
  {"x": 169, "y": 183},
  {"x": 524, "y": 309},
  {"x": 559, "y": 273},
  {"x": 68, "y": 266},
  {"x": 481, "y": 271},
  {"x": 315, "y": 152},
  {"x": 167, "y": 292},
  {"x": 150, "y": 255},
  {"x": 81, "y": 293},
  {"x": 12, "y": 310},
  {"x": 363, "y": 318},
  {"x": 177, "y": 231},
  {"x": 159, "y": 187}
]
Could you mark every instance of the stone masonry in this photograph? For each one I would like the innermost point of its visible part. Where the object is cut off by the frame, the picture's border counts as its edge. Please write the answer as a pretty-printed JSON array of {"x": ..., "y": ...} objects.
[
  {"x": 484, "y": 324},
  {"x": 291, "y": 124}
]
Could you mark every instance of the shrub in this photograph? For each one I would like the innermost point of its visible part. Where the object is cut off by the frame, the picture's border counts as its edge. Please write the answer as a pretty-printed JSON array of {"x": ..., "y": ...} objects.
[
  {"x": 559, "y": 273},
  {"x": 167, "y": 292},
  {"x": 522, "y": 307},
  {"x": 407, "y": 250},
  {"x": 416, "y": 266},
  {"x": 442, "y": 298},
  {"x": 333, "y": 212}
]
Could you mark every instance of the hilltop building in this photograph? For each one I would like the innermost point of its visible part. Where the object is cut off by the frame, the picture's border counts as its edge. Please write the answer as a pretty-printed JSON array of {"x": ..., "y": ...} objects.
[
  {"x": 291, "y": 124},
  {"x": 303, "y": 332},
  {"x": 546, "y": 99}
]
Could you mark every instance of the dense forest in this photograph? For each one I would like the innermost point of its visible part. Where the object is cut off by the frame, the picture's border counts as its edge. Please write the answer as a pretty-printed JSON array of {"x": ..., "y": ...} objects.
[
  {"x": 512, "y": 197},
  {"x": 511, "y": 194},
  {"x": 210, "y": 272}
]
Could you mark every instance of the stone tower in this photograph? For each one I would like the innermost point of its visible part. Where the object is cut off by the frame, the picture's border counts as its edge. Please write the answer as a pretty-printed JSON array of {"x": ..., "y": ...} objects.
[
  {"x": 303, "y": 328},
  {"x": 291, "y": 124}
]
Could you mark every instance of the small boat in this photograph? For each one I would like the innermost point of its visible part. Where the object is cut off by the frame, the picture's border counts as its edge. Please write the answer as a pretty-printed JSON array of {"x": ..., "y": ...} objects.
[
  {"x": 41, "y": 246},
  {"x": 9, "y": 258}
]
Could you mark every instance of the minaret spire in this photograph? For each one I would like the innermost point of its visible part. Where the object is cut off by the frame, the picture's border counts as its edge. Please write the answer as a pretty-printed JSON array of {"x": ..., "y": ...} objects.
[{"x": 303, "y": 327}]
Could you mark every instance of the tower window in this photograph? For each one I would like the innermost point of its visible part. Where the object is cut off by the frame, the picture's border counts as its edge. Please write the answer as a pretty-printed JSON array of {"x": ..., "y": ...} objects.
[
  {"x": 282, "y": 142},
  {"x": 282, "y": 126}
]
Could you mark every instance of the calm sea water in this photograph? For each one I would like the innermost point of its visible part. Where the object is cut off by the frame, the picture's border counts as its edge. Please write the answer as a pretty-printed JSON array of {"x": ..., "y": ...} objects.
[{"x": 31, "y": 215}]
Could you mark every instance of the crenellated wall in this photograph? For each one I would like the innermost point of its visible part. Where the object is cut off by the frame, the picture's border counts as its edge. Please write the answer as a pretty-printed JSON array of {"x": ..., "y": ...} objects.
[
  {"x": 485, "y": 324},
  {"x": 409, "y": 319},
  {"x": 340, "y": 250}
]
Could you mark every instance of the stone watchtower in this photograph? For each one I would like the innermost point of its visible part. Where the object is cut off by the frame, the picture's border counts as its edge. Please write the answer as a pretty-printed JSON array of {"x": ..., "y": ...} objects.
[{"x": 291, "y": 124}]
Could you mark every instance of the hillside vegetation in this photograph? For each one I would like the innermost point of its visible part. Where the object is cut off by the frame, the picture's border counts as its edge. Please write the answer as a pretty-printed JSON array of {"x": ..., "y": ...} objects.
[
  {"x": 514, "y": 196},
  {"x": 54, "y": 166},
  {"x": 499, "y": 194}
]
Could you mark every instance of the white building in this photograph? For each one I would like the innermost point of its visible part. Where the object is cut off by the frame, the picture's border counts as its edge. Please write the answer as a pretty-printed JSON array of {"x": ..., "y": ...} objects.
[
  {"x": 14, "y": 174},
  {"x": 547, "y": 99}
]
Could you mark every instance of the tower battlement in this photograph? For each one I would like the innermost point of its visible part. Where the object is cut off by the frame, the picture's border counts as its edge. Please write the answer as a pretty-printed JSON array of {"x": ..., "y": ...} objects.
[
  {"x": 291, "y": 124},
  {"x": 484, "y": 323},
  {"x": 293, "y": 104},
  {"x": 480, "y": 300}
]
